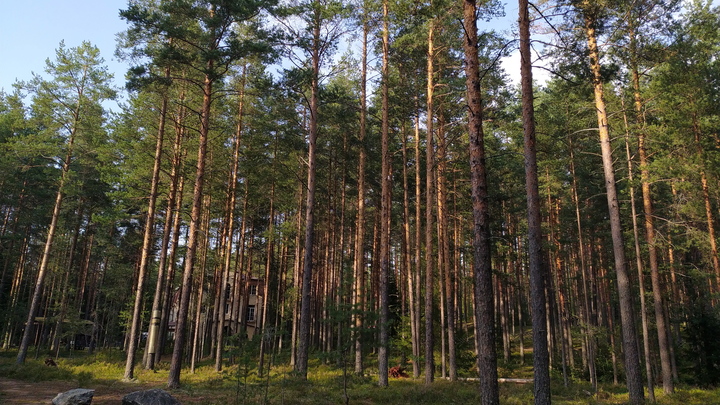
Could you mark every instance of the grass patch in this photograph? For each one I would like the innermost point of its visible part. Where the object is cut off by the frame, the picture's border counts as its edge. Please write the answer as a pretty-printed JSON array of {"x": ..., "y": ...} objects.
[{"x": 326, "y": 384}]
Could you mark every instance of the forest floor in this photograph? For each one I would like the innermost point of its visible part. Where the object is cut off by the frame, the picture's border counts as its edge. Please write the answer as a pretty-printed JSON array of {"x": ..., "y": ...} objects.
[
  {"x": 35, "y": 383},
  {"x": 18, "y": 392}
]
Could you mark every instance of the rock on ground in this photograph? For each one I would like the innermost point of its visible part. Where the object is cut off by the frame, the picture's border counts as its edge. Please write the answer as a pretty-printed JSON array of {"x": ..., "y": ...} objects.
[
  {"x": 149, "y": 397},
  {"x": 78, "y": 396}
]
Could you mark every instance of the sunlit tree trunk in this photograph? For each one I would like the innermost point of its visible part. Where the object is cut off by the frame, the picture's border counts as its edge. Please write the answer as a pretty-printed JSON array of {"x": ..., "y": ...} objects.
[
  {"x": 429, "y": 203},
  {"x": 630, "y": 347}
]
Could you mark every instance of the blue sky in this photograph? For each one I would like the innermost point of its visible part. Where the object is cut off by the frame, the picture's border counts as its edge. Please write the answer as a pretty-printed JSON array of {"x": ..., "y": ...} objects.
[{"x": 31, "y": 30}]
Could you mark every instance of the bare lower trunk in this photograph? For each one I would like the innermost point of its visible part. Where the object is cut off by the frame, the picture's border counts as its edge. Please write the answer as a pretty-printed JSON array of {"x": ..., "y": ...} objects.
[
  {"x": 586, "y": 308},
  {"x": 148, "y": 241},
  {"x": 482, "y": 272},
  {"x": 429, "y": 203},
  {"x": 385, "y": 206},
  {"x": 305, "y": 311},
  {"x": 630, "y": 347},
  {"x": 42, "y": 270},
  {"x": 641, "y": 276},
  {"x": 192, "y": 241},
  {"x": 262, "y": 321},
  {"x": 230, "y": 223},
  {"x": 537, "y": 262},
  {"x": 196, "y": 327},
  {"x": 444, "y": 255},
  {"x": 418, "y": 248},
  {"x": 409, "y": 268},
  {"x": 662, "y": 330},
  {"x": 171, "y": 235},
  {"x": 359, "y": 261}
]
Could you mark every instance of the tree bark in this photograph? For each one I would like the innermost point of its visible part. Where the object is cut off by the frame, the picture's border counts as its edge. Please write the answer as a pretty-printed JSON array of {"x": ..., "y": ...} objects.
[
  {"x": 192, "y": 241},
  {"x": 147, "y": 241},
  {"x": 630, "y": 347},
  {"x": 42, "y": 270},
  {"x": 385, "y": 206},
  {"x": 418, "y": 246},
  {"x": 230, "y": 221},
  {"x": 444, "y": 252},
  {"x": 537, "y": 262},
  {"x": 482, "y": 272},
  {"x": 262, "y": 321},
  {"x": 638, "y": 262},
  {"x": 429, "y": 204},
  {"x": 661, "y": 326},
  {"x": 359, "y": 259},
  {"x": 304, "y": 330}
]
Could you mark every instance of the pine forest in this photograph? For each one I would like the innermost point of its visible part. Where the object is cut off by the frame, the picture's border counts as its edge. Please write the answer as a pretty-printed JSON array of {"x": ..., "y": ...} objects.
[{"x": 308, "y": 201}]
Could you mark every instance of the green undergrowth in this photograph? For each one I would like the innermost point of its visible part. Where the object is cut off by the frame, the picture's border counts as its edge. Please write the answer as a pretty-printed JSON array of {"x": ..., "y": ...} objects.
[{"x": 326, "y": 384}]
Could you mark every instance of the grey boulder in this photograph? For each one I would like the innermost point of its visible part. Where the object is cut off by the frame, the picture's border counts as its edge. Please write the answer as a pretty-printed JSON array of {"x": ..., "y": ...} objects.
[
  {"x": 78, "y": 396},
  {"x": 149, "y": 397}
]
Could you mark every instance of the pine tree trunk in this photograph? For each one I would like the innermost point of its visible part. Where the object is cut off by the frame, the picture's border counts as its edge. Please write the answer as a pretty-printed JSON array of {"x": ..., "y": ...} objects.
[
  {"x": 630, "y": 347},
  {"x": 197, "y": 324},
  {"x": 304, "y": 328},
  {"x": 192, "y": 241},
  {"x": 586, "y": 306},
  {"x": 297, "y": 279},
  {"x": 148, "y": 241},
  {"x": 444, "y": 254},
  {"x": 638, "y": 262},
  {"x": 410, "y": 268},
  {"x": 661, "y": 326},
  {"x": 172, "y": 217},
  {"x": 230, "y": 223},
  {"x": 429, "y": 203},
  {"x": 155, "y": 313},
  {"x": 42, "y": 270},
  {"x": 262, "y": 321},
  {"x": 358, "y": 307},
  {"x": 385, "y": 206},
  {"x": 482, "y": 272},
  {"x": 537, "y": 263},
  {"x": 66, "y": 281},
  {"x": 239, "y": 282},
  {"x": 418, "y": 246}
]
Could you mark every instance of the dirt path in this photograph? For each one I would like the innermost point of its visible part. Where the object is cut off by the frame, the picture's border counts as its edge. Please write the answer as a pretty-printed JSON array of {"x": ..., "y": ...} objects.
[{"x": 16, "y": 392}]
